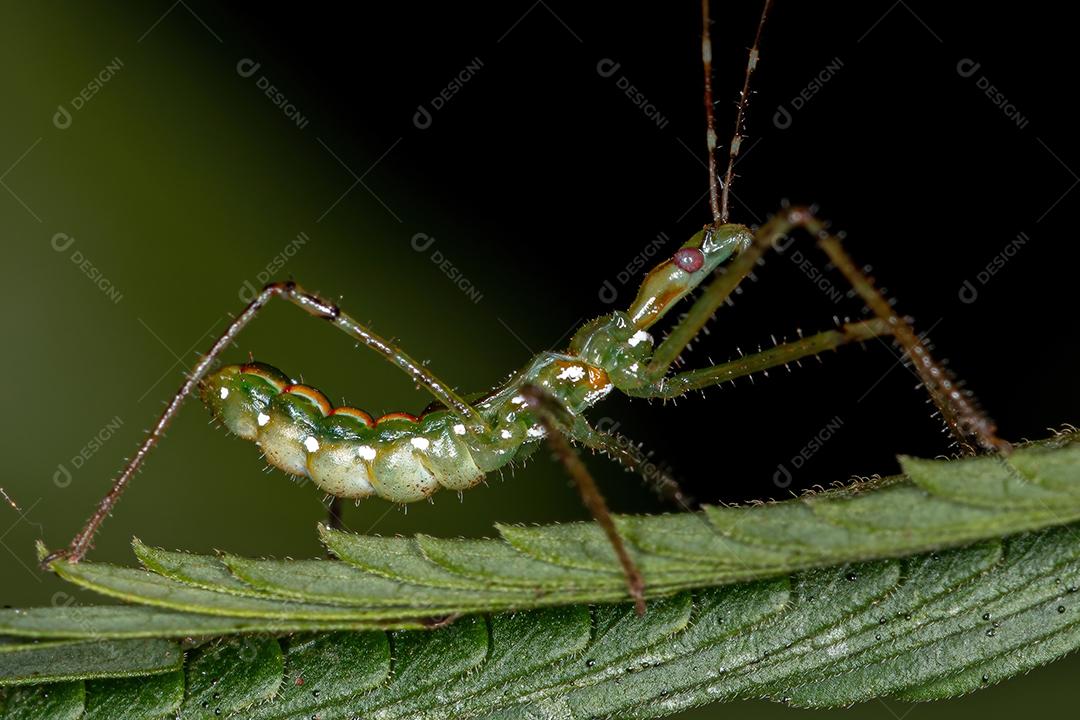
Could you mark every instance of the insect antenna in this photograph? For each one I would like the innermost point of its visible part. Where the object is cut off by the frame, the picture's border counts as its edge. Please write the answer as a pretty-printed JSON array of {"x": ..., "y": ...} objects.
[
  {"x": 8, "y": 500},
  {"x": 720, "y": 192}
]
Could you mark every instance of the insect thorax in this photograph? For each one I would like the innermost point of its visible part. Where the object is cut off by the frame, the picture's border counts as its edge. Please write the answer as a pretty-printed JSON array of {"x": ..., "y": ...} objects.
[{"x": 614, "y": 344}]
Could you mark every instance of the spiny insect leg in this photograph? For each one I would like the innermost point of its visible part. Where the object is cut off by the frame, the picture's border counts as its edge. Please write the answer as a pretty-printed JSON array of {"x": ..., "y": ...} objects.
[
  {"x": 700, "y": 313},
  {"x": 681, "y": 383},
  {"x": 627, "y": 454},
  {"x": 969, "y": 425},
  {"x": 315, "y": 306},
  {"x": 552, "y": 415}
]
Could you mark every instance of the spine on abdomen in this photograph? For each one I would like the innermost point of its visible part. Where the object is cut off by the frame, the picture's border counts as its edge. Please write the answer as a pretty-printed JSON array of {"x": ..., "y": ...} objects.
[{"x": 398, "y": 457}]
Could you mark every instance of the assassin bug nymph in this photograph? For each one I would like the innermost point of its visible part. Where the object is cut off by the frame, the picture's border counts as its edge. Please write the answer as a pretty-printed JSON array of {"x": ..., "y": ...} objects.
[{"x": 455, "y": 443}]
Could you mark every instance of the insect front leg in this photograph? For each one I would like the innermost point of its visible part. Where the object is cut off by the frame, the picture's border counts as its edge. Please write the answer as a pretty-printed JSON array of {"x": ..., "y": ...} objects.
[
  {"x": 557, "y": 424},
  {"x": 673, "y": 386},
  {"x": 969, "y": 425},
  {"x": 316, "y": 306}
]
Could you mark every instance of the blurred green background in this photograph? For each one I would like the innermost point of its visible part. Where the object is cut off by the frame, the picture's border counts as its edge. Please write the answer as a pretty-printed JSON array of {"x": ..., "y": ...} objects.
[{"x": 133, "y": 225}]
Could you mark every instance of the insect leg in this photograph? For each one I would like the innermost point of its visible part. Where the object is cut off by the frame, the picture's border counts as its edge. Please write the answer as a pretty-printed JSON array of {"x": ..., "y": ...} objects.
[
  {"x": 969, "y": 425},
  {"x": 316, "y": 306},
  {"x": 626, "y": 453},
  {"x": 333, "y": 513},
  {"x": 681, "y": 383},
  {"x": 8, "y": 500},
  {"x": 554, "y": 418}
]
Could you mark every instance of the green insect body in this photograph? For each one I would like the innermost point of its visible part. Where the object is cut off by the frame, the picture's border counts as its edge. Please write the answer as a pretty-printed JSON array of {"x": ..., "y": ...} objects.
[
  {"x": 457, "y": 440},
  {"x": 405, "y": 458}
]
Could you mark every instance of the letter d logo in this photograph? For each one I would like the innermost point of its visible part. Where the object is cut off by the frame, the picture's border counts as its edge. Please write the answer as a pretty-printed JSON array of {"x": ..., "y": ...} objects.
[{"x": 62, "y": 118}]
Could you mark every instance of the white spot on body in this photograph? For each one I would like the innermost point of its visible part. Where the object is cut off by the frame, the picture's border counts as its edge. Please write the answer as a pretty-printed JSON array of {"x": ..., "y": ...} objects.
[
  {"x": 224, "y": 393},
  {"x": 536, "y": 431},
  {"x": 639, "y": 337},
  {"x": 459, "y": 429},
  {"x": 311, "y": 443},
  {"x": 262, "y": 419},
  {"x": 571, "y": 372},
  {"x": 420, "y": 443},
  {"x": 365, "y": 452},
  {"x": 505, "y": 435}
]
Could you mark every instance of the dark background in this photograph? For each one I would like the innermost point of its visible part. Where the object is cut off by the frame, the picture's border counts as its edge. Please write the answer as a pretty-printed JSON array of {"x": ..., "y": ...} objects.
[
  {"x": 543, "y": 169},
  {"x": 540, "y": 179}
]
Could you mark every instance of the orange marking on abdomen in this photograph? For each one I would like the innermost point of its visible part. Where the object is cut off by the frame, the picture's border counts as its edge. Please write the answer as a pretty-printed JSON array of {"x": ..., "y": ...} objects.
[
  {"x": 311, "y": 394},
  {"x": 398, "y": 416},
  {"x": 268, "y": 377},
  {"x": 354, "y": 413}
]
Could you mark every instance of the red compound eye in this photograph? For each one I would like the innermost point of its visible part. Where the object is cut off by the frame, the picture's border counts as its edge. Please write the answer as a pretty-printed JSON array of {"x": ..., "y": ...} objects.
[{"x": 689, "y": 259}]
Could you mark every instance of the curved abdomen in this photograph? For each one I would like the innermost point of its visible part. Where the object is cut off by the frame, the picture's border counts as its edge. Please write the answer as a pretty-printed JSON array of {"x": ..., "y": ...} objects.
[{"x": 344, "y": 451}]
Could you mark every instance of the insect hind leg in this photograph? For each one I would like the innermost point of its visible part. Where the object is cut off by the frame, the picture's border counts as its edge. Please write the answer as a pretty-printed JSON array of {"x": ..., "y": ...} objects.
[
  {"x": 626, "y": 453},
  {"x": 553, "y": 416},
  {"x": 314, "y": 305}
]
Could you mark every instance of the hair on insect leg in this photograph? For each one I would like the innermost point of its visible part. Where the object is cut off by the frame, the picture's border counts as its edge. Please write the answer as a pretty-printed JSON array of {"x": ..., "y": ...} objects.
[
  {"x": 553, "y": 416},
  {"x": 315, "y": 306}
]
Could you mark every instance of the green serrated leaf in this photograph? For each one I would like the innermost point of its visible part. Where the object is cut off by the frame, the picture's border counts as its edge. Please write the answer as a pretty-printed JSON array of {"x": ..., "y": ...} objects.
[
  {"x": 147, "y": 698},
  {"x": 423, "y": 664},
  {"x": 396, "y": 560},
  {"x": 231, "y": 675},
  {"x": 325, "y": 669},
  {"x": 59, "y": 701},
  {"x": 497, "y": 563},
  {"x": 340, "y": 583},
  {"x": 81, "y": 660},
  {"x": 124, "y": 621},
  {"x": 139, "y": 586},
  {"x": 899, "y": 586}
]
